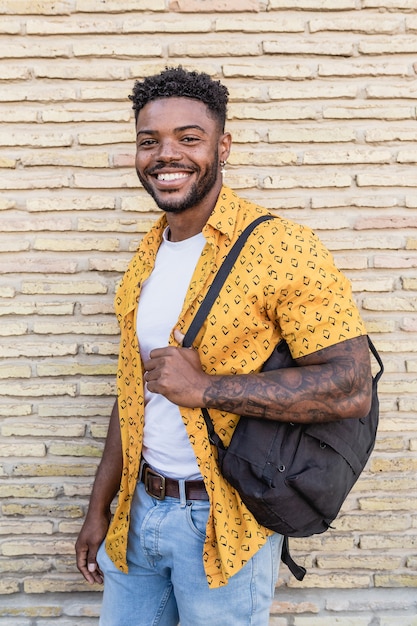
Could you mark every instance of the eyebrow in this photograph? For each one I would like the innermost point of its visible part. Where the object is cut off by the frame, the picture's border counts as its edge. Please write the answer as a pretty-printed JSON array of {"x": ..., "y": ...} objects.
[{"x": 176, "y": 130}]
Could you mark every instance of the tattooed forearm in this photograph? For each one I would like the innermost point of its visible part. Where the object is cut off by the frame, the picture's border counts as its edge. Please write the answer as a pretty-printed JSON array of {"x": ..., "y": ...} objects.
[{"x": 328, "y": 385}]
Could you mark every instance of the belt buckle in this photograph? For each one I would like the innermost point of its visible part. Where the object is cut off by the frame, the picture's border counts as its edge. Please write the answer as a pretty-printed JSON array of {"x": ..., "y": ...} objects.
[{"x": 147, "y": 474}]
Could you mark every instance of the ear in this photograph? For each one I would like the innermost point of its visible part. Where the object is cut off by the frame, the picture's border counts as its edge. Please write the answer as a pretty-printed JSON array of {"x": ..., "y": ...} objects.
[{"x": 225, "y": 144}]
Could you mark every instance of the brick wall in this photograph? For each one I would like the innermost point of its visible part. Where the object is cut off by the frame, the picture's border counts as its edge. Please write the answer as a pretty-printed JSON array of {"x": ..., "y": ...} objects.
[{"x": 323, "y": 115}]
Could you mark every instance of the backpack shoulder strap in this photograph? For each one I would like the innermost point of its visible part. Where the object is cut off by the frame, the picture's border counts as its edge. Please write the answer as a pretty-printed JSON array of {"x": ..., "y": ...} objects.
[{"x": 218, "y": 281}]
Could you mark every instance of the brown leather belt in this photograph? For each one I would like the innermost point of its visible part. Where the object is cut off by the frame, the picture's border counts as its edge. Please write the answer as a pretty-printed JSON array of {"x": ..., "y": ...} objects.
[{"x": 159, "y": 486}]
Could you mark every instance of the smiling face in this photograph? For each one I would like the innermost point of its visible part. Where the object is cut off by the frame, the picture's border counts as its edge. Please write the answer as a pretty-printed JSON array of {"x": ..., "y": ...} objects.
[{"x": 178, "y": 150}]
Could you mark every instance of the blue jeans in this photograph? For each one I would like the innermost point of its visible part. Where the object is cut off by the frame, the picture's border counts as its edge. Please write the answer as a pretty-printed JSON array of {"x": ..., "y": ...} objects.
[{"x": 166, "y": 583}]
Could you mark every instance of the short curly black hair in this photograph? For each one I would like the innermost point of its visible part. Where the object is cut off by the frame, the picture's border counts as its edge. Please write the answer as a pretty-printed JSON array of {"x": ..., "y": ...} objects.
[{"x": 180, "y": 83}]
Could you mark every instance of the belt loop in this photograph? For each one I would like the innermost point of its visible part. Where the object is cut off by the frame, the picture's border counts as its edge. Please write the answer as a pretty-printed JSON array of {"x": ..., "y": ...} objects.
[{"x": 182, "y": 493}]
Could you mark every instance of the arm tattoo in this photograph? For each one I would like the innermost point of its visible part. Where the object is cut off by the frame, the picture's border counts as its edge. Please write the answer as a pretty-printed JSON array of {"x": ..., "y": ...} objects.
[{"x": 327, "y": 385}]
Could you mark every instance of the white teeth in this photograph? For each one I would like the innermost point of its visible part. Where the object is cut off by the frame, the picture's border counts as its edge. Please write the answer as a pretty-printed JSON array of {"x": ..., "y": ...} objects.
[{"x": 173, "y": 176}]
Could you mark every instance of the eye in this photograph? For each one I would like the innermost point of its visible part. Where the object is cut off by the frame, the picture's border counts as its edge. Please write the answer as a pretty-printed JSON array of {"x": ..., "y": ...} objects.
[
  {"x": 190, "y": 139},
  {"x": 146, "y": 143}
]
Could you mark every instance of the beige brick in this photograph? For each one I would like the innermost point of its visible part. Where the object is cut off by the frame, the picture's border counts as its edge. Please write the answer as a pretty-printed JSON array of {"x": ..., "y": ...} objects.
[
  {"x": 311, "y": 135},
  {"x": 15, "y": 371},
  {"x": 86, "y": 287},
  {"x": 373, "y": 523},
  {"x": 313, "y": 90},
  {"x": 349, "y": 156},
  {"x": 113, "y": 6},
  {"x": 89, "y": 203},
  {"x": 74, "y": 409},
  {"x": 76, "y": 114},
  {"x": 77, "y": 328},
  {"x": 369, "y": 112},
  {"x": 391, "y": 134},
  {"x": 13, "y": 527},
  {"x": 79, "y": 490},
  {"x": 76, "y": 245},
  {"x": 321, "y": 5},
  {"x": 389, "y": 45},
  {"x": 292, "y": 608},
  {"x": 101, "y": 347},
  {"x": 75, "y": 449},
  {"x": 99, "y": 430},
  {"x": 38, "y": 389},
  {"x": 40, "y": 7},
  {"x": 372, "y": 26},
  {"x": 359, "y": 68},
  {"x": 98, "y": 389},
  {"x": 221, "y": 48},
  {"x": 107, "y": 136},
  {"x": 38, "y": 349},
  {"x": 389, "y": 542},
  {"x": 307, "y": 47},
  {"x": 332, "y": 581},
  {"x": 270, "y": 112},
  {"x": 25, "y": 180},
  {"x": 54, "y": 469},
  {"x": 6, "y": 163},
  {"x": 284, "y": 24},
  {"x": 386, "y": 222},
  {"x": 43, "y": 510},
  {"x": 22, "y": 449},
  {"x": 34, "y": 490},
  {"x": 190, "y": 6},
  {"x": 116, "y": 46},
  {"x": 14, "y": 224},
  {"x": 408, "y": 579},
  {"x": 288, "y": 182},
  {"x": 140, "y": 203},
  {"x": 262, "y": 159},
  {"x": 262, "y": 71},
  {"x": 371, "y": 561},
  {"x": 10, "y": 27},
  {"x": 108, "y": 180},
  {"x": 197, "y": 23},
  {"x": 38, "y": 94},
  {"x": 71, "y": 71},
  {"x": 44, "y": 266},
  {"x": 131, "y": 225},
  {"x": 58, "y": 585},
  {"x": 14, "y": 548},
  {"x": 14, "y": 246},
  {"x": 98, "y": 308},
  {"x": 8, "y": 410},
  {"x": 8, "y": 586},
  {"x": 92, "y": 160},
  {"x": 31, "y": 308},
  {"x": 74, "y": 369},
  {"x": 6, "y": 203},
  {"x": 36, "y": 139},
  {"x": 40, "y": 429},
  {"x": 388, "y": 503}
]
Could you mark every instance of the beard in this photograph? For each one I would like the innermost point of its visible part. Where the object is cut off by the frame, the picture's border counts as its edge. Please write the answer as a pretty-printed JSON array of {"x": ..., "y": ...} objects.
[{"x": 198, "y": 191}]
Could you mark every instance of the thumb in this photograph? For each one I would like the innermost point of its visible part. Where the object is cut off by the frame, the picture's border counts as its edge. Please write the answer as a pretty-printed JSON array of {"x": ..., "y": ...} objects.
[{"x": 178, "y": 336}]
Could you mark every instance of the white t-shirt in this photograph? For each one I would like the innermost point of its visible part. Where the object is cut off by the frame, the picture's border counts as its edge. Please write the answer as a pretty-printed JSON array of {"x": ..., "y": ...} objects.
[{"x": 166, "y": 446}]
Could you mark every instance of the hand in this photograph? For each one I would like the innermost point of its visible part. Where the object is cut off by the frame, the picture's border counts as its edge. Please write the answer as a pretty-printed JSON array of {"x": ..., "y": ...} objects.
[
  {"x": 87, "y": 545},
  {"x": 176, "y": 373}
]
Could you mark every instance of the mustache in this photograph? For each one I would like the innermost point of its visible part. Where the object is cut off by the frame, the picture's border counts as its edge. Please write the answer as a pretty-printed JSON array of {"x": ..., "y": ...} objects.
[{"x": 161, "y": 166}]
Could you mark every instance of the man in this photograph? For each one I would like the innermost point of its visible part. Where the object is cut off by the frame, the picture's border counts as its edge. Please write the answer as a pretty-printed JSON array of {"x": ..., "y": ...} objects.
[{"x": 181, "y": 545}]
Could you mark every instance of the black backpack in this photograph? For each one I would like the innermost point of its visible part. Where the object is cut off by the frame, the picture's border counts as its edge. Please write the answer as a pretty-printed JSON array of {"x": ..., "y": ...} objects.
[{"x": 293, "y": 478}]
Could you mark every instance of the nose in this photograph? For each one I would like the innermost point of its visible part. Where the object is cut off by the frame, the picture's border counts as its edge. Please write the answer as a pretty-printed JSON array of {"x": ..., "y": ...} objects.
[{"x": 168, "y": 150}]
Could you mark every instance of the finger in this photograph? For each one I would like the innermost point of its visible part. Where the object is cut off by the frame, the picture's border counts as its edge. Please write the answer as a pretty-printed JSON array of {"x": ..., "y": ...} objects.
[
  {"x": 178, "y": 336},
  {"x": 95, "y": 572},
  {"x": 82, "y": 565}
]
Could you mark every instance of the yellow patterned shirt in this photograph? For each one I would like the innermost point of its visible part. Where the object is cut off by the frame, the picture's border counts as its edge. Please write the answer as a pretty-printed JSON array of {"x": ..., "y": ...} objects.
[{"x": 284, "y": 284}]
